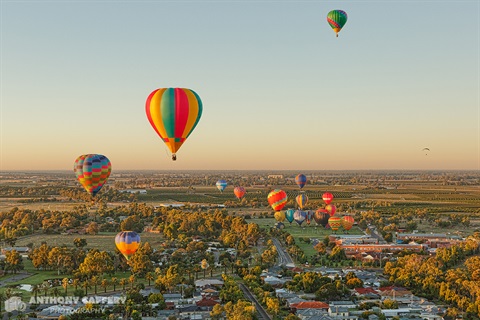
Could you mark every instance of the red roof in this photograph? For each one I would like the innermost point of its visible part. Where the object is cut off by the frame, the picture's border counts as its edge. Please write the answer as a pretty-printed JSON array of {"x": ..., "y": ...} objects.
[
  {"x": 389, "y": 288},
  {"x": 297, "y": 269},
  {"x": 310, "y": 305},
  {"x": 366, "y": 290},
  {"x": 207, "y": 302}
]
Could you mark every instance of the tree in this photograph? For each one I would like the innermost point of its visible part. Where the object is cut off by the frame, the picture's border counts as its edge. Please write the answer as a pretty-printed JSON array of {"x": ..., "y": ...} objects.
[
  {"x": 96, "y": 263},
  {"x": 13, "y": 261},
  {"x": 80, "y": 242},
  {"x": 92, "y": 228},
  {"x": 273, "y": 306},
  {"x": 114, "y": 282},
  {"x": 65, "y": 284},
  {"x": 104, "y": 284}
]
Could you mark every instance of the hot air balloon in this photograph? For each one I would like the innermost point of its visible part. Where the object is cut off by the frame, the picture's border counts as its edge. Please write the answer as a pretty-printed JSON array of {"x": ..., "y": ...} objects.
[
  {"x": 309, "y": 216},
  {"x": 321, "y": 217},
  {"x": 337, "y": 19},
  {"x": 279, "y": 225},
  {"x": 221, "y": 185},
  {"x": 92, "y": 171},
  {"x": 239, "y": 192},
  {"x": 173, "y": 114},
  {"x": 327, "y": 197},
  {"x": 301, "y": 180},
  {"x": 302, "y": 200},
  {"x": 426, "y": 150},
  {"x": 335, "y": 222},
  {"x": 127, "y": 243},
  {"x": 279, "y": 216},
  {"x": 331, "y": 209},
  {"x": 277, "y": 199},
  {"x": 289, "y": 215},
  {"x": 299, "y": 216},
  {"x": 347, "y": 222}
]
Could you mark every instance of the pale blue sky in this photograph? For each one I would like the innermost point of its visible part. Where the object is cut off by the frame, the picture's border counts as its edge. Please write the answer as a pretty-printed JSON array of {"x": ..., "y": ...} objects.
[{"x": 280, "y": 91}]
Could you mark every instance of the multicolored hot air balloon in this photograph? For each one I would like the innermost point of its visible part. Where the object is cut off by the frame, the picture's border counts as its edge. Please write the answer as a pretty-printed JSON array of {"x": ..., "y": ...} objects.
[
  {"x": 335, "y": 222},
  {"x": 92, "y": 171},
  {"x": 289, "y": 215},
  {"x": 331, "y": 209},
  {"x": 173, "y": 114},
  {"x": 327, "y": 197},
  {"x": 302, "y": 200},
  {"x": 221, "y": 185},
  {"x": 279, "y": 216},
  {"x": 277, "y": 199},
  {"x": 299, "y": 216},
  {"x": 321, "y": 217},
  {"x": 239, "y": 192},
  {"x": 127, "y": 243},
  {"x": 301, "y": 180},
  {"x": 337, "y": 19},
  {"x": 347, "y": 222},
  {"x": 309, "y": 216}
]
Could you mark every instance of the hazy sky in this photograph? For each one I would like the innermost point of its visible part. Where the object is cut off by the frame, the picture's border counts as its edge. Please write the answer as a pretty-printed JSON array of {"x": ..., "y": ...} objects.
[{"x": 279, "y": 90}]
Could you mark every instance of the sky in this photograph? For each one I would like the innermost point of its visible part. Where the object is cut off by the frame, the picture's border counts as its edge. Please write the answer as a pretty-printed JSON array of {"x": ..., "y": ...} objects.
[{"x": 279, "y": 90}]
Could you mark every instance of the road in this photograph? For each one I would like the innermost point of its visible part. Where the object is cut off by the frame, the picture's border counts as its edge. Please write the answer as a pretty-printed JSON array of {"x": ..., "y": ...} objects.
[
  {"x": 284, "y": 258},
  {"x": 262, "y": 314}
]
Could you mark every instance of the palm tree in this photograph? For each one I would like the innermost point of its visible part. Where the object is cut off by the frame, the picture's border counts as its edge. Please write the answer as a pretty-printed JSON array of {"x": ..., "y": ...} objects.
[
  {"x": 35, "y": 290},
  {"x": 131, "y": 279},
  {"x": 56, "y": 291},
  {"x": 65, "y": 284},
  {"x": 149, "y": 277},
  {"x": 114, "y": 282},
  {"x": 104, "y": 284},
  {"x": 123, "y": 282},
  {"x": 86, "y": 285},
  {"x": 94, "y": 281},
  {"x": 45, "y": 287},
  {"x": 76, "y": 283}
]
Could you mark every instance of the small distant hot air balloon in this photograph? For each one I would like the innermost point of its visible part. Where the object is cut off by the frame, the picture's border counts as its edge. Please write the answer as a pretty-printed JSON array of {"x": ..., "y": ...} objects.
[
  {"x": 347, "y": 222},
  {"x": 221, "y": 185},
  {"x": 331, "y": 209},
  {"x": 335, "y": 223},
  {"x": 289, "y": 215},
  {"x": 279, "y": 216},
  {"x": 92, "y": 171},
  {"x": 337, "y": 19},
  {"x": 277, "y": 199},
  {"x": 302, "y": 200},
  {"x": 173, "y": 114},
  {"x": 327, "y": 197},
  {"x": 127, "y": 243},
  {"x": 321, "y": 217},
  {"x": 301, "y": 180},
  {"x": 239, "y": 192},
  {"x": 299, "y": 216}
]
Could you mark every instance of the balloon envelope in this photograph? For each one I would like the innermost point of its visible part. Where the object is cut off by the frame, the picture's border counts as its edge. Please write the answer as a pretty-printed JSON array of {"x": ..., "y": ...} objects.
[
  {"x": 309, "y": 216},
  {"x": 239, "y": 192},
  {"x": 279, "y": 216},
  {"x": 335, "y": 223},
  {"x": 327, "y": 197},
  {"x": 221, "y": 185},
  {"x": 331, "y": 209},
  {"x": 173, "y": 113},
  {"x": 347, "y": 222},
  {"x": 302, "y": 200},
  {"x": 127, "y": 243},
  {"x": 321, "y": 217},
  {"x": 337, "y": 19},
  {"x": 277, "y": 199},
  {"x": 301, "y": 180},
  {"x": 289, "y": 215},
  {"x": 299, "y": 216},
  {"x": 92, "y": 171}
]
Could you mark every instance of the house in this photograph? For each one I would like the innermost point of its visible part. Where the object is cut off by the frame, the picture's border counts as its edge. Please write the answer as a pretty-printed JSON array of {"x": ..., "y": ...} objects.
[
  {"x": 207, "y": 304},
  {"x": 309, "y": 305},
  {"x": 203, "y": 283},
  {"x": 343, "y": 303}
]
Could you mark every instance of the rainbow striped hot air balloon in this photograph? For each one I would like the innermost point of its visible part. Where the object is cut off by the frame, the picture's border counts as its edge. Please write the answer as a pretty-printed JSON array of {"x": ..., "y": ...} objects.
[
  {"x": 301, "y": 180},
  {"x": 289, "y": 215},
  {"x": 92, "y": 171},
  {"x": 335, "y": 222},
  {"x": 239, "y": 192},
  {"x": 221, "y": 185},
  {"x": 347, "y": 222},
  {"x": 337, "y": 19},
  {"x": 173, "y": 114},
  {"x": 277, "y": 199},
  {"x": 127, "y": 243},
  {"x": 302, "y": 200}
]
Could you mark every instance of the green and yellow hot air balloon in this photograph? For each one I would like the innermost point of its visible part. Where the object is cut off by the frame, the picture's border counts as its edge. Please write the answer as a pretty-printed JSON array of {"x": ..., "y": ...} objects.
[{"x": 337, "y": 19}]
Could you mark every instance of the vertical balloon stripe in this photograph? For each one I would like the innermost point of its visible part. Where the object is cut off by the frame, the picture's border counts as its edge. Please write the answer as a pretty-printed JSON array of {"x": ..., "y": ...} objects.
[
  {"x": 167, "y": 111},
  {"x": 153, "y": 112},
  {"x": 194, "y": 107},
  {"x": 182, "y": 111},
  {"x": 199, "y": 112}
]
